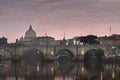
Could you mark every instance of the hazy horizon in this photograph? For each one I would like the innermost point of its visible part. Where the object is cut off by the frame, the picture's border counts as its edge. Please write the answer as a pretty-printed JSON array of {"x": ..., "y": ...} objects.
[
  {"x": 64, "y": 34},
  {"x": 56, "y": 17}
]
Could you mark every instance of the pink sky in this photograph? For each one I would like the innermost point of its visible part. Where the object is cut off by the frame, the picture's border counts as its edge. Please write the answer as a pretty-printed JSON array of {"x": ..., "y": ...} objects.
[{"x": 56, "y": 17}]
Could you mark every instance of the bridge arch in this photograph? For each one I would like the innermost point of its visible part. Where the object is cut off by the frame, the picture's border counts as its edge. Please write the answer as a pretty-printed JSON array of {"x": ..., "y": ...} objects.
[
  {"x": 32, "y": 54},
  {"x": 64, "y": 55},
  {"x": 94, "y": 54}
]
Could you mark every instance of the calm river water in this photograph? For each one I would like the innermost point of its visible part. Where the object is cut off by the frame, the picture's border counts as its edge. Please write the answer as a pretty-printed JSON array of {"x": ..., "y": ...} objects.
[{"x": 58, "y": 71}]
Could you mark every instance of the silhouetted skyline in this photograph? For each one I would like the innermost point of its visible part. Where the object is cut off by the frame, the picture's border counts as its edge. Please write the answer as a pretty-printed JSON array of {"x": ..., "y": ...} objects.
[{"x": 56, "y": 17}]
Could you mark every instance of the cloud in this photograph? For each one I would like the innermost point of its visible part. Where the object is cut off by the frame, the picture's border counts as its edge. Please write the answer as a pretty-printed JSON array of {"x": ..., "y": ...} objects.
[
  {"x": 111, "y": 1},
  {"x": 82, "y": 10},
  {"x": 58, "y": 15}
]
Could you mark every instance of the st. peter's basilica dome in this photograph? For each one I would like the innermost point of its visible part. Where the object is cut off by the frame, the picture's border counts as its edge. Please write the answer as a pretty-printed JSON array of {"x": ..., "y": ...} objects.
[{"x": 30, "y": 33}]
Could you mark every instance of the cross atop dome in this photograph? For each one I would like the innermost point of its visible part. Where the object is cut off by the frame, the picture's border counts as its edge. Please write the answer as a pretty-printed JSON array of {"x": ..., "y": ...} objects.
[{"x": 30, "y": 27}]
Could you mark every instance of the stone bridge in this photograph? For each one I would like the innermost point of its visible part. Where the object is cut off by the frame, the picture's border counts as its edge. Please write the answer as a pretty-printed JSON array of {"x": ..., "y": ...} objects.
[{"x": 76, "y": 51}]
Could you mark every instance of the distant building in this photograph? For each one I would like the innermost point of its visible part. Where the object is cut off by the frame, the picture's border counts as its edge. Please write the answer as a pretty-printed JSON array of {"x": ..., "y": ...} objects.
[
  {"x": 110, "y": 40},
  {"x": 3, "y": 41},
  {"x": 30, "y": 34},
  {"x": 31, "y": 38},
  {"x": 44, "y": 40}
]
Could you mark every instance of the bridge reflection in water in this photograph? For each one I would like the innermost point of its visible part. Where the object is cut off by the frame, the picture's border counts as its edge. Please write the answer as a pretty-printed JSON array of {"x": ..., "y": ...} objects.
[{"x": 36, "y": 70}]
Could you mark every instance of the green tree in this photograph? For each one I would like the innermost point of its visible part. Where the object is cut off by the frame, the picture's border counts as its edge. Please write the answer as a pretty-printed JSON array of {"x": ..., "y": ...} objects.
[{"x": 90, "y": 39}]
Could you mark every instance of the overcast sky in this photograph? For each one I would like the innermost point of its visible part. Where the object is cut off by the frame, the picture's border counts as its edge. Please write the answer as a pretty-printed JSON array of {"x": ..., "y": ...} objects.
[{"x": 56, "y": 17}]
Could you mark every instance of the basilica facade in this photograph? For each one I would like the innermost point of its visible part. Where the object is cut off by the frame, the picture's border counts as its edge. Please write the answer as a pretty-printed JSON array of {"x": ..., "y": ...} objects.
[{"x": 31, "y": 38}]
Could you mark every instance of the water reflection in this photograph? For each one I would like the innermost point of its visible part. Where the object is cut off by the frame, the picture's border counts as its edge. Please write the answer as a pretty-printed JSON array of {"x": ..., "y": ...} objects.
[{"x": 36, "y": 70}]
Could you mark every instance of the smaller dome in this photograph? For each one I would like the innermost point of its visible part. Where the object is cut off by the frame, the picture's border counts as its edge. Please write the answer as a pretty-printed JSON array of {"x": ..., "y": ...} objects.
[{"x": 30, "y": 33}]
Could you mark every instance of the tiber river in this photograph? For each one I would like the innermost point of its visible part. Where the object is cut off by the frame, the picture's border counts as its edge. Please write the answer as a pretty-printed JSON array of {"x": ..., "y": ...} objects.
[{"x": 58, "y": 71}]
